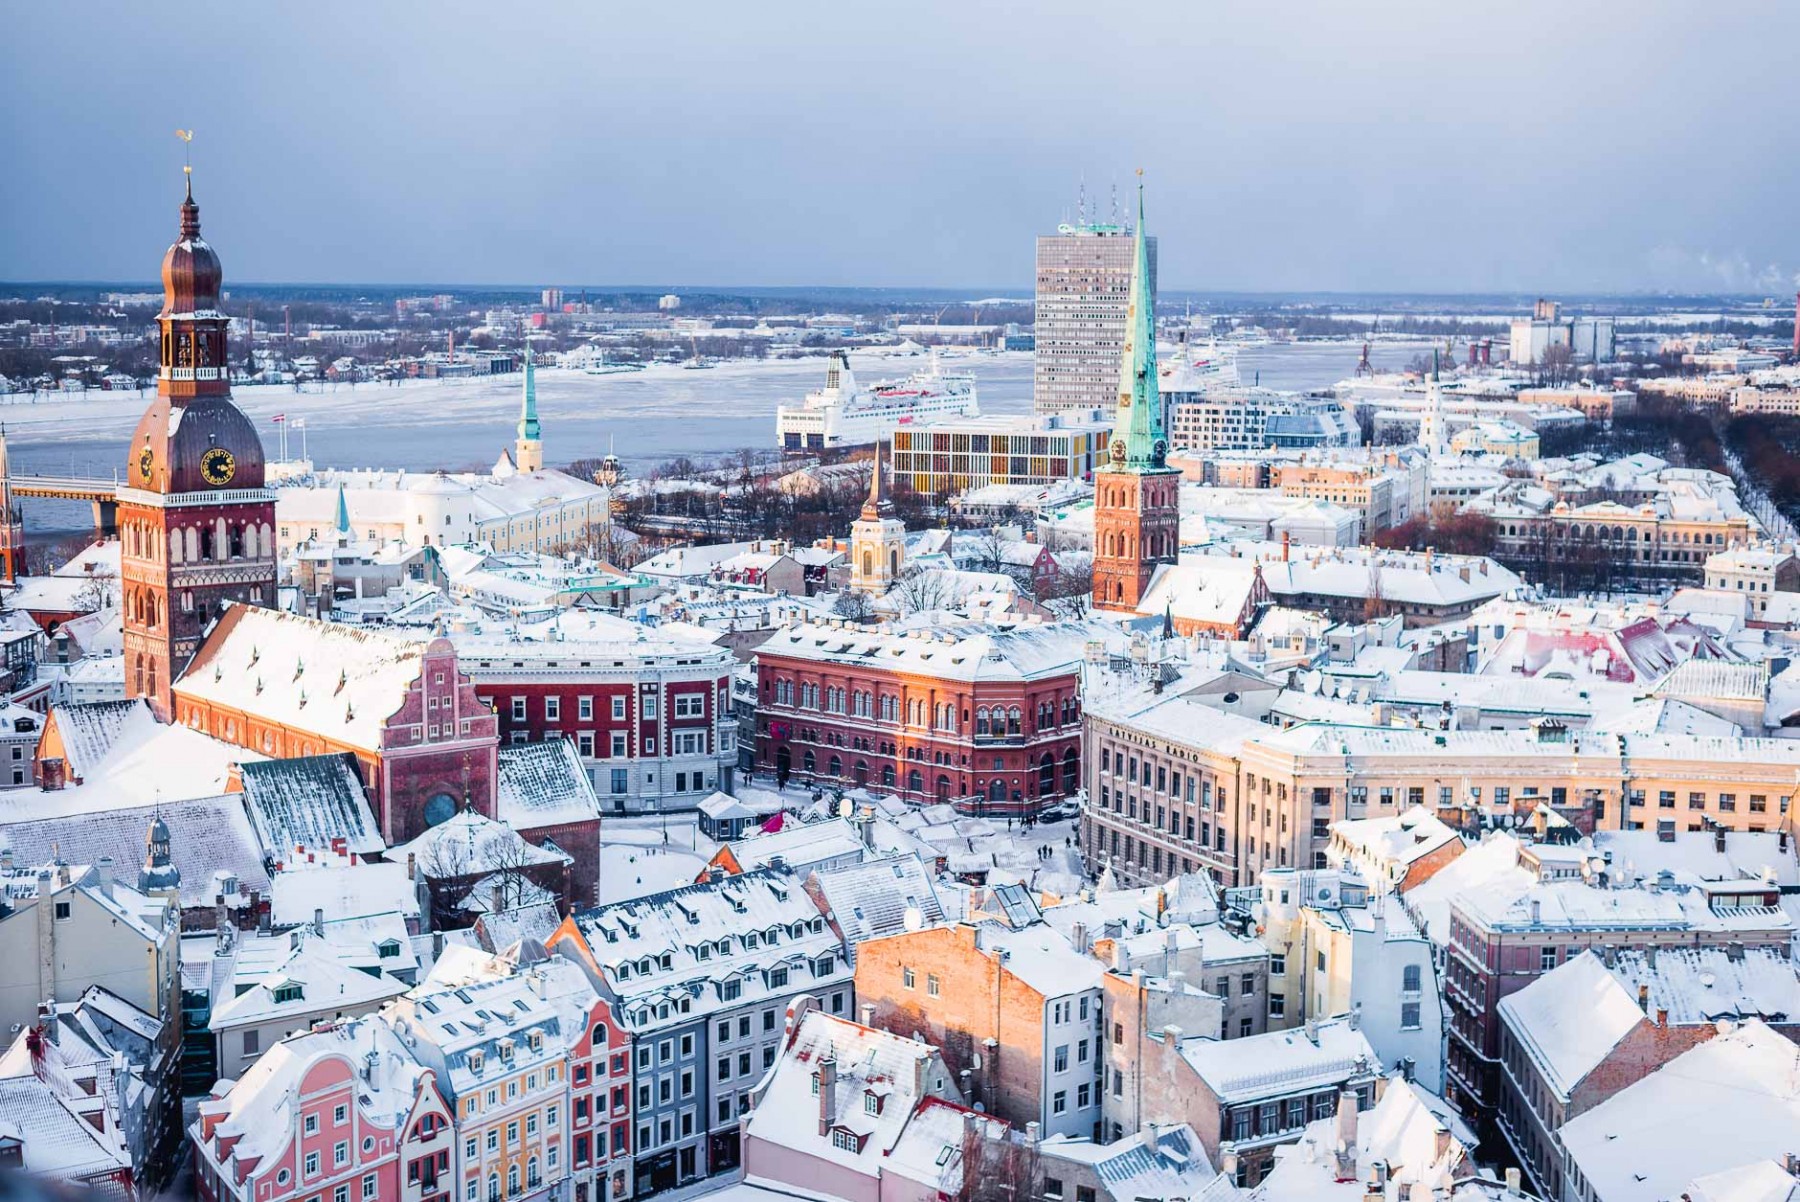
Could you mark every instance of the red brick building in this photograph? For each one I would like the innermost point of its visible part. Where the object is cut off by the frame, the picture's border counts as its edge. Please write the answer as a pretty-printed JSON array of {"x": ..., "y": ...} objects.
[
  {"x": 649, "y": 714},
  {"x": 986, "y": 716},
  {"x": 287, "y": 686},
  {"x": 196, "y": 525}
]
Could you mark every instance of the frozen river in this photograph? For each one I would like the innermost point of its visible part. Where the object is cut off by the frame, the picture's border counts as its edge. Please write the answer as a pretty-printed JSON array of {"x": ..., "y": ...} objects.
[{"x": 647, "y": 417}]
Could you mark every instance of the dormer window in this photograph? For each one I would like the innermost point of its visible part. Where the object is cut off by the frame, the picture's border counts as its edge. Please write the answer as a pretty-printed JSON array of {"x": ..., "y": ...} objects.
[
  {"x": 535, "y": 1041},
  {"x": 846, "y": 1140},
  {"x": 476, "y": 1060},
  {"x": 289, "y": 992},
  {"x": 506, "y": 1049},
  {"x": 871, "y": 1103}
]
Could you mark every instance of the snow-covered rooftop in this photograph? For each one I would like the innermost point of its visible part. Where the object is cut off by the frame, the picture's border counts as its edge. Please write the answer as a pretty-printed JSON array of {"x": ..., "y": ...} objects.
[{"x": 1729, "y": 1101}]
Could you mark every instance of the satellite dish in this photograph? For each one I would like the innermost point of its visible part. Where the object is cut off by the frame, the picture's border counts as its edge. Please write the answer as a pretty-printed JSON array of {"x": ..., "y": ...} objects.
[
  {"x": 914, "y": 918},
  {"x": 843, "y": 807}
]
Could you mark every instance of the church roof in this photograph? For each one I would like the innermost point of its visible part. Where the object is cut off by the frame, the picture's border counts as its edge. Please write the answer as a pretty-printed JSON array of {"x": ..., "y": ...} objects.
[
  {"x": 337, "y": 681},
  {"x": 312, "y": 802}
]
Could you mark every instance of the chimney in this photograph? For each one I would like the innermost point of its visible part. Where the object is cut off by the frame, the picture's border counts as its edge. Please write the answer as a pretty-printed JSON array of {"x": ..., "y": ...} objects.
[
  {"x": 1644, "y": 997},
  {"x": 1378, "y": 1182},
  {"x": 868, "y": 1014},
  {"x": 412, "y": 866},
  {"x": 106, "y": 875},
  {"x": 318, "y": 922},
  {"x": 1312, "y": 1031},
  {"x": 1228, "y": 1161},
  {"x": 1512, "y": 1181},
  {"x": 1346, "y": 1135},
  {"x": 55, "y": 772},
  {"x": 1662, "y": 1016},
  {"x": 1440, "y": 1146},
  {"x": 1719, "y": 840},
  {"x": 1078, "y": 936},
  {"x": 827, "y": 1094}
]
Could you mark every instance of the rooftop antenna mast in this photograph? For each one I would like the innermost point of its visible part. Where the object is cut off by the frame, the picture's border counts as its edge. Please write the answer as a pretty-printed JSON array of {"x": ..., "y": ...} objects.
[
  {"x": 1081, "y": 202},
  {"x": 1115, "y": 202}
]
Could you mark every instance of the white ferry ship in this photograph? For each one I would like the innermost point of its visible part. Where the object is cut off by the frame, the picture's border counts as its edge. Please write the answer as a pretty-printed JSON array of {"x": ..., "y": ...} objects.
[{"x": 843, "y": 415}]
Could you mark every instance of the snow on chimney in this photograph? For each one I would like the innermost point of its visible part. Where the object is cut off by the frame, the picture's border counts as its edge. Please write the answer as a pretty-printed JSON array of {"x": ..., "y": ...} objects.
[
  {"x": 1346, "y": 1135},
  {"x": 827, "y": 1094}
]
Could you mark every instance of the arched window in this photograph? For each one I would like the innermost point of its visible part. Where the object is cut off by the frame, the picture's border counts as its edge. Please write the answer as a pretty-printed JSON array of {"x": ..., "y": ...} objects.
[
  {"x": 835, "y": 766},
  {"x": 221, "y": 540},
  {"x": 236, "y": 538},
  {"x": 1012, "y": 720},
  {"x": 1046, "y": 782},
  {"x": 1071, "y": 770},
  {"x": 250, "y": 541},
  {"x": 996, "y": 790},
  {"x": 887, "y": 776},
  {"x": 808, "y": 761},
  {"x": 915, "y": 781},
  {"x": 981, "y": 721},
  {"x": 868, "y": 563}
]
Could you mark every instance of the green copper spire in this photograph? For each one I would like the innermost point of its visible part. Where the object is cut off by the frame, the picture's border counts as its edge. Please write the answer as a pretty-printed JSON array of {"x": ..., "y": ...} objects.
[
  {"x": 1138, "y": 441},
  {"x": 343, "y": 512},
  {"x": 528, "y": 419}
]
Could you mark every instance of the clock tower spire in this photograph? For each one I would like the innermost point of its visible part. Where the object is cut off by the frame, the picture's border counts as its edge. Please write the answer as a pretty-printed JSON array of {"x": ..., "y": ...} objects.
[{"x": 196, "y": 525}]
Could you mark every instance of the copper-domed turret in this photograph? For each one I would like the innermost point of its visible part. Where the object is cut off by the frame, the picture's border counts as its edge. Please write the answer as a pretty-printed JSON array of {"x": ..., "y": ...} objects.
[
  {"x": 190, "y": 270},
  {"x": 193, "y": 438}
]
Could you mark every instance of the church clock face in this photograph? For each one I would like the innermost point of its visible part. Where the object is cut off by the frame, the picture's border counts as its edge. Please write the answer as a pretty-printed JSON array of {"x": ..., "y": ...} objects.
[
  {"x": 146, "y": 461},
  {"x": 218, "y": 467}
]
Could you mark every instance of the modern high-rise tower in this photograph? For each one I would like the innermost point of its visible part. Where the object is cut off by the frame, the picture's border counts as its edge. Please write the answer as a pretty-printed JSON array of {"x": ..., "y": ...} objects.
[
  {"x": 196, "y": 525},
  {"x": 1083, "y": 290},
  {"x": 1137, "y": 511}
]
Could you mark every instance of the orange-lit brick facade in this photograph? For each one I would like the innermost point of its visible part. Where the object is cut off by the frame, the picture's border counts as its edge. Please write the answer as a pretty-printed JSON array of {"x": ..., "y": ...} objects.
[{"x": 992, "y": 746}]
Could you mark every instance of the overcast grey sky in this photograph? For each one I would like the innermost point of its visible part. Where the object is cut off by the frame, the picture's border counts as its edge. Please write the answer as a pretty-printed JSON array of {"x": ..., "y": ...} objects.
[{"x": 1533, "y": 145}]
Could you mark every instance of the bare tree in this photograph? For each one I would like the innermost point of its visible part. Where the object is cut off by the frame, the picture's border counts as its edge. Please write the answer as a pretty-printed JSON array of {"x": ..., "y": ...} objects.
[
  {"x": 1072, "y": 588},
  {"x": 920, "y": 589},
  {"x": 998, "y": 1165},
  {"x": 99, "y": 590},
  {"x": 851, "y": 605},
  {"x": 454, "y": 869}
]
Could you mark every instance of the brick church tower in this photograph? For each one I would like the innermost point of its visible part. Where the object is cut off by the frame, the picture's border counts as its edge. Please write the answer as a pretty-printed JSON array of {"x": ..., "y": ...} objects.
[
  {"x": 196, "y": 525},
  {"x": 1137, "y": 516}
]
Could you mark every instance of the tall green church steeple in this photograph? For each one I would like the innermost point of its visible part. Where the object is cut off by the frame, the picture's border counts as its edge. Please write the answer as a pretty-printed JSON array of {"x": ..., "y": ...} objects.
[
  {"x": 528, "y": 418},
  {"x": 1139, "y": 442},
  {"x": 528, "y": 449}
]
